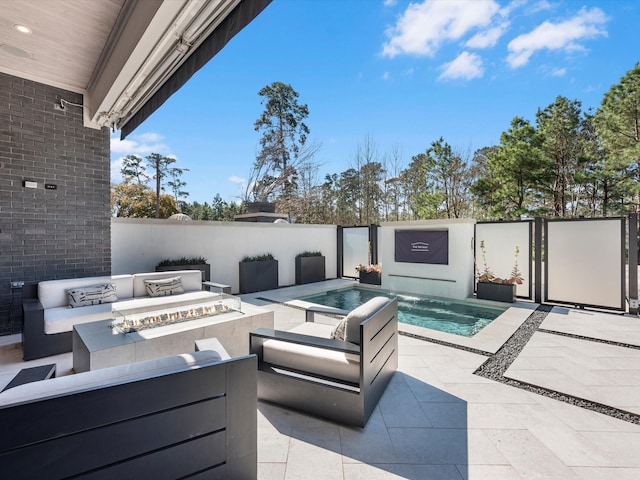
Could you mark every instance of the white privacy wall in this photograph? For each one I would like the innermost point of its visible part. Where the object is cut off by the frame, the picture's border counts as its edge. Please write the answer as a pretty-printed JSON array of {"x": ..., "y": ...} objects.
[
  {"x": 584, "y": 262},
  {"x": 138, "y": 245},
  {"x": 500, "y": 240},
  {"x": 355, "y": 249},
  {"x": 454, "y": 280}
]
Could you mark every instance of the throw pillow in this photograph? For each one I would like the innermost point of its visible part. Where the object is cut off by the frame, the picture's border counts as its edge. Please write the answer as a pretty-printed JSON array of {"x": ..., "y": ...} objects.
[
  {"x": 91, "y": 295},
  {"x": 164, "y": 286},
  {"x": 338, "y": 332}
]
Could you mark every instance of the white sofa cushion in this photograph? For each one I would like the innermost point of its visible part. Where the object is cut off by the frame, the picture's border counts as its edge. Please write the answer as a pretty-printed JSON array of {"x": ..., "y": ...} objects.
[
  {"x": 52, "y": 293},
  {"x": 319, "y": 361},
  {"x": 62, "y": 319},
  {"x": 105, "y": 376}
]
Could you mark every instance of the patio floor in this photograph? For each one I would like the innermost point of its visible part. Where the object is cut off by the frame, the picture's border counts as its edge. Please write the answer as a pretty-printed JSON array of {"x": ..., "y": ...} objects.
[{"x": 439, "y": 420}]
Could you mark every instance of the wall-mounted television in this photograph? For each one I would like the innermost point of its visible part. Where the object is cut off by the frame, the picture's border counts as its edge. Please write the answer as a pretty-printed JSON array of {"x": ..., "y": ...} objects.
[{"x": 422, "y": 246}]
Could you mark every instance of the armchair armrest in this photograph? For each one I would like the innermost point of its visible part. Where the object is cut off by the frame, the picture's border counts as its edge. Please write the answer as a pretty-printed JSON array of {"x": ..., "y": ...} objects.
[
  {"x": 311, "y": 311},
  {"x": 309, "y": 340}
]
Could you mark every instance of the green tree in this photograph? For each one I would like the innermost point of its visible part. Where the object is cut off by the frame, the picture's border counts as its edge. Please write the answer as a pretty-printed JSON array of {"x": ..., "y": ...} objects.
[
  {"x": 284, "y": 133},
  {"x": 560, "y": 127},
  {"x": 135, "y": 200},
  {"x": 161, "y": 166},
  {"x": 450, "y": 177},
  {"x": 618, "y": 127},
  {"x": 508, "y": 174},
  {"x": 133, "y": 167},
  {"x": 176, "y": 184},
  {"x": 421, "y": 197}
]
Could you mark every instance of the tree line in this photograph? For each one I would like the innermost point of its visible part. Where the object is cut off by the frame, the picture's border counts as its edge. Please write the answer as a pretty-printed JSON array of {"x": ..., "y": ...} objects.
[{"x": 566, "y": 162}]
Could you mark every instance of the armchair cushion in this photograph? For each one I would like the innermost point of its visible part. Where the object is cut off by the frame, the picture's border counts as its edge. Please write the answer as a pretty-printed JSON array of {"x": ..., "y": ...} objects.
[
  {"x": 348, "y": 329},
  {"x": 320, "y": 361}
]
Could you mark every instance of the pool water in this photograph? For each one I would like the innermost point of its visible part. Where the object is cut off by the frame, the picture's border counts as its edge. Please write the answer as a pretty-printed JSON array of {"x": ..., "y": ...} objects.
[{"x": 450, "y": 316}]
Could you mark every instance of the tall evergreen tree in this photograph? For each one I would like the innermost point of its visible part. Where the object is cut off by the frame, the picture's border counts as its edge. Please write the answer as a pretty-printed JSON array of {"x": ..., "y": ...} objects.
[
  {"x": 618, "y": 128},
  {"x": 283, "y": 134}
]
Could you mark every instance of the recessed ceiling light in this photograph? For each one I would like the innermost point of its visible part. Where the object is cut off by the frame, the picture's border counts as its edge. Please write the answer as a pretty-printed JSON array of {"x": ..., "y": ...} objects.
[
  {"x": 15, "y": 51},
  {"x": 22, "y": 28}
]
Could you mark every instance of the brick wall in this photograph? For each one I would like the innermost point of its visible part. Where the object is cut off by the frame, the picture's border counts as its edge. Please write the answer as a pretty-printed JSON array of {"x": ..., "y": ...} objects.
[{"x": 45, "y": 233}]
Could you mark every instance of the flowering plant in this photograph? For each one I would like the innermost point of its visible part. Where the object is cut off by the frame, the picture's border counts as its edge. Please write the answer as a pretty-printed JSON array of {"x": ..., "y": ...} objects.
[
  {"x": 376, "y": 267},
  {"x": 486, "y": 275}
]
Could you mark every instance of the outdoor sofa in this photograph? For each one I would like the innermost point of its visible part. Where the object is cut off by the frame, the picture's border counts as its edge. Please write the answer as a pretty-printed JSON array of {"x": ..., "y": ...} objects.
[
  {"x": 340, "y": 380},
  {"x": 48, "y": 319},
  {"x": 184, "y": 416}
]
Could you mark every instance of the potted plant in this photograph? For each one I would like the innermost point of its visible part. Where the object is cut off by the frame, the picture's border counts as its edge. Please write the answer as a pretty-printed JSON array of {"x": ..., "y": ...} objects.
[
  {"x": 186, "y": 263},
  {"x": 370, "y": 274},
  {"x": 495, "y": 288},
  {"x": 310, "y": 267},
  {"x": 258, "y": 273}
]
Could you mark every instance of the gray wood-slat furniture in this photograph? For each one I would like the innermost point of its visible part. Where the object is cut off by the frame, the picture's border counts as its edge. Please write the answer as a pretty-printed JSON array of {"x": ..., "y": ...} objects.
[
  {"x": 197, "y": 423},
  {"x": 346, "y": 402}
]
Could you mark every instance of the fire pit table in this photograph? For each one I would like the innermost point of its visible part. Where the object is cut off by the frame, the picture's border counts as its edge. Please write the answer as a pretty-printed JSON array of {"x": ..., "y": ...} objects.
[{"x": 147, "y": 333}]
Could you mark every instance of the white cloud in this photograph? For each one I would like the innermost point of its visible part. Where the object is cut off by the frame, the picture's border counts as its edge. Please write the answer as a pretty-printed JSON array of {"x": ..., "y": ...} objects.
[
  {"x": 390, "y": 3},
  {"x": 466, "y": 66},
  {"x": 408, "y": 72},
  {"x": 424, "y": 27},
  {"x": 487, "y": 38},
  {"x": 564, "y": 36},
  {"x": 142, "y": 145},
  {"x": 386, "y": 76},
  {"x": 238, "y": 180},
  {"x": 558, "y": 72}
]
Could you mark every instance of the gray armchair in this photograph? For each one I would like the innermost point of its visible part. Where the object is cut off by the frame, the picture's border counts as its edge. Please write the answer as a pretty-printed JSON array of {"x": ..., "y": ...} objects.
[{"x": 338, "y": 379}]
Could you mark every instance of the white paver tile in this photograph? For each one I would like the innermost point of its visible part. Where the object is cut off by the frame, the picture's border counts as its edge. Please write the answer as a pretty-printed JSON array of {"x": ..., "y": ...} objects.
[
  {"x": 528, "y": 456},
  {"x": 430, "y": 446},
  {"x": 401, "y": 472},
  {"x": 598, "y": 473}
]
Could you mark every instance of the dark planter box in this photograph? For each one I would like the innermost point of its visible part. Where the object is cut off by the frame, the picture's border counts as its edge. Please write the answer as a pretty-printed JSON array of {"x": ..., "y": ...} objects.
[
  {"x": 258, "y": 276},
  {"x": 205, "y": 268},
  {"x": 264, "y": 207},
  {"x": 310, "y": 269},
  {"x": 499, "y": 292},
  {"x": 371, "y": 278}
]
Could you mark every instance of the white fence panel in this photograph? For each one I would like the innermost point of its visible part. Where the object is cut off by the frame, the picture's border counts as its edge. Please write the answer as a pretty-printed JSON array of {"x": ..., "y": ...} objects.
[
  {"x": 355, "y": 249},
  {"x": 584, "y": 262}
]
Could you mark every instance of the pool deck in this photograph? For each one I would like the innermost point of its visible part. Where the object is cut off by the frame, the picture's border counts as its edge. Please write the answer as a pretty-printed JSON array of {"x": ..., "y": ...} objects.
[{"x": 439, "y": 419}]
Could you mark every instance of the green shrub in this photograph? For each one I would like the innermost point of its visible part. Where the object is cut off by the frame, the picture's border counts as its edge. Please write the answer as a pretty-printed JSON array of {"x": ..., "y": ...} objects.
[
  {"x": 259, "y": 258},
  {"x": 183, "y": 261},
  {"x": 310, "y": 254}
]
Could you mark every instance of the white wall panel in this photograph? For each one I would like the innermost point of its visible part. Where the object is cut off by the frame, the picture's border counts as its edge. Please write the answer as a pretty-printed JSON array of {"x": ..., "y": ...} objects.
[
  {"x": 454, "y": 280},
  {"x": 500, "y": 240},
  {"x": 584, "y": 262},
  {"x": 138, "y": 245}
]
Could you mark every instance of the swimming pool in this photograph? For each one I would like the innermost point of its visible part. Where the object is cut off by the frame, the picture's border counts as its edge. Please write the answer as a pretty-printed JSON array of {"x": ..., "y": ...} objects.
[{"x": 450, "y": 316}]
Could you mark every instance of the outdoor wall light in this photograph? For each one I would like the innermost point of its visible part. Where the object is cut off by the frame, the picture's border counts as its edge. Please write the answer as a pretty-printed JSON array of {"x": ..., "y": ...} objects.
[{"x": 29, "y": 184}]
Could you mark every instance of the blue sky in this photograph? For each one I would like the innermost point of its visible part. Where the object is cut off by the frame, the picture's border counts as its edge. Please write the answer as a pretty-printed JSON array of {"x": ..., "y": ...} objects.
[{"x": 402, "y": 73}]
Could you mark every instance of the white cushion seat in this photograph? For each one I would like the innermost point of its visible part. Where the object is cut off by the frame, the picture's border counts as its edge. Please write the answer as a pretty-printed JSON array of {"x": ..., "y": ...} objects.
[
  {"x": 314, "y": 360},
  {"x": 62, "y": 319}
]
